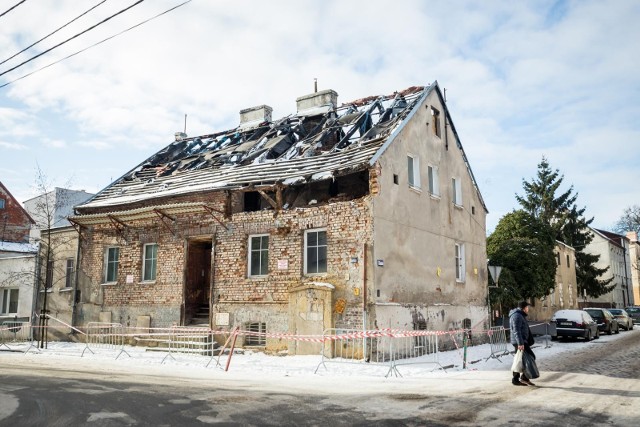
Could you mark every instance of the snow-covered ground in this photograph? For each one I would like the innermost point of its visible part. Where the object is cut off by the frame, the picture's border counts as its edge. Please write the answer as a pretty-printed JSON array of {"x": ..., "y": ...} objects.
[{"x": 254, "y": 364}]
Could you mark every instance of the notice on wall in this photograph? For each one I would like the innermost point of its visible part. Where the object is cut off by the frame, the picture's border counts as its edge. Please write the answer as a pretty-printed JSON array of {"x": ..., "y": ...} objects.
[
  {"x": 129, "y": 278},
  {"x": 283, "y": 264},
  {"x": 222, "y": 319}
]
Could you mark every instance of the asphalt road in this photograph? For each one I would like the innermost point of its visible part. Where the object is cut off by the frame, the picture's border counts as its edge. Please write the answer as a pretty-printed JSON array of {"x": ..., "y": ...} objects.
[{"x": 597, "y": 385}]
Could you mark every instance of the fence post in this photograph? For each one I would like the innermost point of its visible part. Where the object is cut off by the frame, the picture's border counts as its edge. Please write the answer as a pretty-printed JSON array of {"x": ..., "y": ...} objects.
[{"x": 464, "y": 350}]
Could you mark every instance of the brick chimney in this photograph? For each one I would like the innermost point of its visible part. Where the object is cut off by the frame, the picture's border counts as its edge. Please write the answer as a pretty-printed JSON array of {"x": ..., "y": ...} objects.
[
  {"x": 317, "y": 102},
  {"x": 255, "y": 115}
]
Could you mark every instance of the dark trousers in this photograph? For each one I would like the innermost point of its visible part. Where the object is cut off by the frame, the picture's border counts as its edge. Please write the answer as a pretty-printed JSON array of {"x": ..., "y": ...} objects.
[{"x": 516, "y": 375}]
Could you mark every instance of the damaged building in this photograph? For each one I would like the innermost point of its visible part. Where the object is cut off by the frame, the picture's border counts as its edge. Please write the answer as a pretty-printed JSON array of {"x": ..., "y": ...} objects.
[{"x": 357, "y": 215}]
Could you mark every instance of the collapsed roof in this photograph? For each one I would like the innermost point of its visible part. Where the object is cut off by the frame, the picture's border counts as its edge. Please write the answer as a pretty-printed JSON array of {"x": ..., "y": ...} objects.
[{"x": 322, "y": 141}]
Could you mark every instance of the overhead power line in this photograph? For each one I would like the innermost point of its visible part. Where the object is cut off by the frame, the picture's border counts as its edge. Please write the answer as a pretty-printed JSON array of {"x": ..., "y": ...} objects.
[
  {"x": 52, "y": 33},
  {"x": 11, "y": 8},
  {"x": 71, "y": 38},
  {"x": 96, "y": 44}
]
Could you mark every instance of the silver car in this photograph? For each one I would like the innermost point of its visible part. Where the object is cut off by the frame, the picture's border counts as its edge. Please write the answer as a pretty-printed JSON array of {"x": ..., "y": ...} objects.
[{"x": 624, "y": 320}]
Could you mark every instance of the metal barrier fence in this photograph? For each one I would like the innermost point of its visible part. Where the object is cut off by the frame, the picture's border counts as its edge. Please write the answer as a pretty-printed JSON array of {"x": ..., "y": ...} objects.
[
  {"x": 105, "y": 336},
  {"x": 14, "y": 332},
  {"x": 351, "y": 346},
  {"x": 498, "y": 342},
  {"x": 190, "y": 340},
  {"x": 413, "y": 349}
]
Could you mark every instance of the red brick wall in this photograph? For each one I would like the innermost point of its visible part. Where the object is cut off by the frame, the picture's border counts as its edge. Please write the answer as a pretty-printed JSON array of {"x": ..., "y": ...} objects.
[
  {"x": 348, "y": 228},
  {"x": 14, "y": 222}
]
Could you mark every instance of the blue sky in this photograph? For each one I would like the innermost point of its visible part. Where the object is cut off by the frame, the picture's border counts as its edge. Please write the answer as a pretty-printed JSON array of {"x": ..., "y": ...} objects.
[{"x": 524, "y": 80}]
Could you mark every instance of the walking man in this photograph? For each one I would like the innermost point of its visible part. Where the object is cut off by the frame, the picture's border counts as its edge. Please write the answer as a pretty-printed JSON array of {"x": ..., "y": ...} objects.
[{"x": 521, "y": 338}]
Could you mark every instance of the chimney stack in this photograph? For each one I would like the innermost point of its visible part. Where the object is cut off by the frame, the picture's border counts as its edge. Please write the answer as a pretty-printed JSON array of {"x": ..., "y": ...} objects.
[
  {"x": 317, "y": 102},
  {"x": 255, "y": 115}
]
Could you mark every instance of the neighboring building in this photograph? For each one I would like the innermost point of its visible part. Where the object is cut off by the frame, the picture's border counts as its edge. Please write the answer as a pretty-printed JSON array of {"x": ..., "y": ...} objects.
[
  {"x": 58, "y": 249},
  {"x": 614, "y": 253},
  {"x": 565, "y": 292},
  {"x": 634, "y": 265},
  {"x": 365, "y": 215},
  {"x": 17, "y": 260},
  {"x": 51, "y": 210}
]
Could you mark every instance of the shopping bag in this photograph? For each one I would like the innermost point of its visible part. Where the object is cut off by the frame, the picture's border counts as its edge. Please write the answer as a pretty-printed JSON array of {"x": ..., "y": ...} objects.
[
  {"x": 517, "y": 365},
  {"x": 530, "y": 366}
]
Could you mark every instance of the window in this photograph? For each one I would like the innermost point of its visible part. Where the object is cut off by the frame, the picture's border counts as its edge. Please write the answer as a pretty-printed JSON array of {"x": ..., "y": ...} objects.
[
  {"x": 413, "y": 171},
  {"x": 395, "y": 179},
  {"x": 258, "y": 255},
  {"x": 434, "y": 184},
  {"x": 256, "y": 334},
  {"x": 558, "y": 258},
  {"x": 9, "y": 301},
  {"x": 456, "y": 188},
  {"x": 315, "y": 252},
  {"x": 1, "y": 203},
  {"x": 460, "y": 273},
  {"x": 49, "y": 278},
  {"x": 436, "y": 122},
  {"x": 111, "y": 262},
  {"x": 567, "y": 260},
  {"x": 149, "y": 262},
  {"x": 68, "y": 283}
]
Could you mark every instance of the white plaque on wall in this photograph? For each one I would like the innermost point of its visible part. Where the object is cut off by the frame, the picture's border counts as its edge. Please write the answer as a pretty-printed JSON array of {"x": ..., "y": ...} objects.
[
  {"x": 283, "y": 264},
  {"x": 222, "y": 319},
  {"x": 129, "y": 278}
]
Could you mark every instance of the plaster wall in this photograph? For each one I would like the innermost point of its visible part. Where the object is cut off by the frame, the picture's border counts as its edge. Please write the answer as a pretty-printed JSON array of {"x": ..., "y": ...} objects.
[
  {"x": 18, "y": 272},
  {"x": 415, "y": 231}
]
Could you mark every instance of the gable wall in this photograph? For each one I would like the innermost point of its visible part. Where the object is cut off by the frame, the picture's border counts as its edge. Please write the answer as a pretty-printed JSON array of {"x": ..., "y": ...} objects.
[{"x": 416, "y": 232}]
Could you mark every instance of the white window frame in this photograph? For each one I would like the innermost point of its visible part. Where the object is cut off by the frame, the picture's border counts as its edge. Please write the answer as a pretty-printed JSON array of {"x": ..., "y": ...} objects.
[
  {"x": 261, "y": 249},
  {"x": 153, "y": 260},
  {"x": 434, "y": 180},
  {"x": 460, "y": 262},
  {"x": 5, "y": 303},
  {"x": 456, "y": 188},
  {"x": 306, "y": 250},
  {"x": 413, "y": 171},
  {"x": 107, "y": 262}
]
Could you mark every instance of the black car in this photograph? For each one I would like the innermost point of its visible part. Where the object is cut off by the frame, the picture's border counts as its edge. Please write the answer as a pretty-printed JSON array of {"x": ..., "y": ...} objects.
[
  {"x": 575, "y": 324},
  {"x": 634, "y": 313},
  {"x": 607, "y": 324}
]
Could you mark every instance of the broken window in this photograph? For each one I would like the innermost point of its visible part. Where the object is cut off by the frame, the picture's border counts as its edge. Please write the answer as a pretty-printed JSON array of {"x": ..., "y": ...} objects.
[
  {"x": 436, "y": 122},
  {"x": 251, "y": 201},
  {"x": 256, "y": 334},
  {"x": 259, "y": 255},
  {"x": 111, "y": 261},
  {"x": 150, "y": 262},
  {"x": 315, "y": 253}
]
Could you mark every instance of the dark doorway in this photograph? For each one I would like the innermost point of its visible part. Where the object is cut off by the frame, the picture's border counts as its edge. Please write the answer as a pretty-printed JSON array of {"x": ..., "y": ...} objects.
[{"x": 198, "y": 282}]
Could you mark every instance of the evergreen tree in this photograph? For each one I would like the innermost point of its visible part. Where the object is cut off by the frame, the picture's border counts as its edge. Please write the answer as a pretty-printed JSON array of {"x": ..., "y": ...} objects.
[
  {"x": 568, "y": 224},
  {"x": 541, "y": 200},
  {"x": 524, "y": 247}
]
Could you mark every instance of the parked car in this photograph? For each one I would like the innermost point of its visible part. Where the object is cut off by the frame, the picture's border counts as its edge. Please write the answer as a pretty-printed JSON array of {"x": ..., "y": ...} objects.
[
  {"x": 575, "y": 324},
  {"x": 606, "y": 322},
  {"x": 634, "y": 312},
  {"x": 624, "y": 320}
]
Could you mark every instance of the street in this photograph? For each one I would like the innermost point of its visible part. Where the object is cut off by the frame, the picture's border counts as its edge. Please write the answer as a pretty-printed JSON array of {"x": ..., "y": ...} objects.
[{"x": 597, "y": 383}]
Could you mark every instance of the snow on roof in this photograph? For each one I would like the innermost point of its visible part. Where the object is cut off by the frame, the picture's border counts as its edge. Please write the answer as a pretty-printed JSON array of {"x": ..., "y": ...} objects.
[
  {"x": 292, "y": 150},
  {"x": 18, "y": 247}
]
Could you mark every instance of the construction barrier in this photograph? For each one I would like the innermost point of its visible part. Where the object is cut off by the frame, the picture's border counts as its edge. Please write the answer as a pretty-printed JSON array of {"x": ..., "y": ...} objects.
[
  {"x": 351, "y": 346},
  {"x": 190, "y": 340},
  {"x": 105, "y": 336},
  {"x": 409, "y": 349},
  {"x": 498, "y": 342},
  {"x": 17, "y": 333}
]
